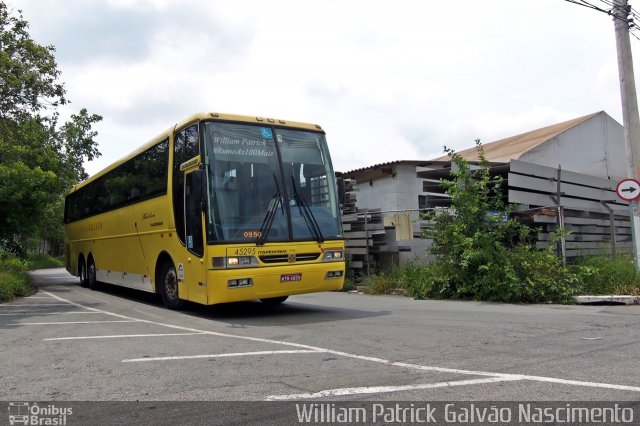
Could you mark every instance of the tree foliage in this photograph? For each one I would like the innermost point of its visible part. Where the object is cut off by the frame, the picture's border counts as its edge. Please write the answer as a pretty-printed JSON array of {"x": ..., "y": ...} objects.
[
  {"x": 40, "y": 159},
  {"x": 29, "y": 72}
]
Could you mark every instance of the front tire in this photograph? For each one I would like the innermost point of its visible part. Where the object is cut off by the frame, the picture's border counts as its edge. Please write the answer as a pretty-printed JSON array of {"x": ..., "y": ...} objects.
[{"x": 169, "y": 288}]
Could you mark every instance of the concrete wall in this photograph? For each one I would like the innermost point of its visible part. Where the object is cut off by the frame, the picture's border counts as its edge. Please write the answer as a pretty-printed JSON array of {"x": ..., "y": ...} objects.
[
  {"x": 594, "y": 147},
  {"x": 399, "y": 192}
]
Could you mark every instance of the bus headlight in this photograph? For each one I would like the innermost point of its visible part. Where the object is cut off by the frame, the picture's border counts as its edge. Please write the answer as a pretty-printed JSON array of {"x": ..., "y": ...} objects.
[
  {"x": 238, "y": 261},
  {"x": 333, "y": 274},
  {"x": 240, "y": 282},
  {"x": 333, "y": 256},
  {"x": 222, "y": 262}
]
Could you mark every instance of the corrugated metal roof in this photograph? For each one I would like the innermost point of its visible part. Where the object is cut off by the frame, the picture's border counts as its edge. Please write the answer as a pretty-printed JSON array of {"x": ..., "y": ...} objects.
[
  {"x": 362, "y": 170},
  {"x": 500, "y": 151},
  {"x": 512, "y": 148}
]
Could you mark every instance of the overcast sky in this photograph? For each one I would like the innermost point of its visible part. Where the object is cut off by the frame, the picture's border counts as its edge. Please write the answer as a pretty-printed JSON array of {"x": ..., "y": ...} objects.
[{"x": 387, "y": 80}]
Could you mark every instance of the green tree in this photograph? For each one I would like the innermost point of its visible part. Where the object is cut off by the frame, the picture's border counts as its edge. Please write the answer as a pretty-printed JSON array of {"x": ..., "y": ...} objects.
[
  {"x": 481, "y": 251},
  {"x": 40, "y": 159},
  {"x": 29, "y": 72}
]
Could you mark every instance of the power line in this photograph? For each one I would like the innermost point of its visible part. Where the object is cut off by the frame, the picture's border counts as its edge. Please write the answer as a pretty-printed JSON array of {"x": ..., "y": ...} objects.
[
  {"x": 635, "y": 15},
  {"x": 589, "y": 5}
]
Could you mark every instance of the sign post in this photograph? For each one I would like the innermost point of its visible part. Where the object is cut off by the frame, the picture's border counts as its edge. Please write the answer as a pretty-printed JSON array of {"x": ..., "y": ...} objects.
[{"x": 629, "y": 190}]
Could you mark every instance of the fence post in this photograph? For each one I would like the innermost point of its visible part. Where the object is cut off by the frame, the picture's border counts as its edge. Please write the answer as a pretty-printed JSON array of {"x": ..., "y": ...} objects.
[
  {"x": 612, "y": 224},
  {"x": 562, "y": 244},
  {"x": 366, "y": 241}
]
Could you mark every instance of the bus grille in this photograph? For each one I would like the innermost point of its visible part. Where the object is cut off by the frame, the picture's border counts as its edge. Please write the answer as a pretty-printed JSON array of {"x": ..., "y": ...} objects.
[{"x": 300, "y": 257}]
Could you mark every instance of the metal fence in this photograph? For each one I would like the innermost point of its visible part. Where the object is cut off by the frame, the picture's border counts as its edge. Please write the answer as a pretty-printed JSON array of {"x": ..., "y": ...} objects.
[
  {"x": 377, "y": 240},
  {"x": 583, "y": 233},
  {"x": 597, "y": 221}
]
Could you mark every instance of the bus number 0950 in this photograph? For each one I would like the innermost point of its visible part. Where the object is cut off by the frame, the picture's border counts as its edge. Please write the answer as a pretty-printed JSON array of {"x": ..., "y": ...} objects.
[{"x": 252, "y": 234}]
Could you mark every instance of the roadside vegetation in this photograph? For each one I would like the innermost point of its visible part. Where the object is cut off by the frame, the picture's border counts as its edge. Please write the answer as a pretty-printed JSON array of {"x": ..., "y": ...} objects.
[
  {"x": 608, "y": 275},
  {"x": 593, "y": 276},
  {"x": 482, "y": 253},
  {"x": 41, "y": 156},
  {"x": 14, "y": 278}
]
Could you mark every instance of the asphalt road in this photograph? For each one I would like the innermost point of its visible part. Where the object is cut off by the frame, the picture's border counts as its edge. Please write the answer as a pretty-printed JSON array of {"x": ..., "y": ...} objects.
[{"x": 68, "y": 343}]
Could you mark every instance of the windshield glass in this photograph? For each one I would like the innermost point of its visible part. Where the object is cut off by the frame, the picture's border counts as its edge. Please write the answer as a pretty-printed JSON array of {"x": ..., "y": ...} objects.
[{"x": 268, "y": 184}]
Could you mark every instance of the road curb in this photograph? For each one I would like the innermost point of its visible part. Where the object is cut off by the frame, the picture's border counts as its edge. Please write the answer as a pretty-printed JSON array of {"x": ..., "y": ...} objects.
[{"x": 622, "y": 300}]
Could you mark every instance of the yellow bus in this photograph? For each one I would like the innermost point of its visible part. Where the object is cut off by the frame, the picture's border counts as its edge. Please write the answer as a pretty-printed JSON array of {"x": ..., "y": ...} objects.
[{"x": 219, "y": 208}]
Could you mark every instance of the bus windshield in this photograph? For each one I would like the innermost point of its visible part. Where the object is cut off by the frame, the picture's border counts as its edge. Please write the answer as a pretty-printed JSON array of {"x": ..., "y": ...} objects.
[{"x": 268, "y": 184}]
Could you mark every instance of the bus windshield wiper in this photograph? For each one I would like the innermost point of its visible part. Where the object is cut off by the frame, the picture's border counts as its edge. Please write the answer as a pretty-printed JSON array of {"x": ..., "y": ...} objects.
[
  {"x": 267, "y": 222},
  {"x": 306, "y": 213}
]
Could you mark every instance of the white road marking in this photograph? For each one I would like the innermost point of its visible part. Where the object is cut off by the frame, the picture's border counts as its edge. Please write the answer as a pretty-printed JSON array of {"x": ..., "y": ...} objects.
[
  {"x": 575, "y": 382},
  {"x": 148, "y": 314},
  {"x": 362, "y": 357},
  {"x": 114, "y": 336},
  {"x": 69, "y": 322},
  {"x": 38, "y": 297},
  {"x": 385, "y": 389},
  {"x": 46, "y": 313},
  {"x": 445, "y": 370},
  {"x": 32, "y": 304},
  {"x": 236, "y": 354}
]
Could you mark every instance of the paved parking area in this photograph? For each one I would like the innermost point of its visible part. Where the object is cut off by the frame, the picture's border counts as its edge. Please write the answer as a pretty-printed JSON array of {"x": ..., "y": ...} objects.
[{"x": 69, "y": 343}]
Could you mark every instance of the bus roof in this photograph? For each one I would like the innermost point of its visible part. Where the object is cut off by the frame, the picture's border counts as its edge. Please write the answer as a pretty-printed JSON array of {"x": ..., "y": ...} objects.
[{"x": 190, "y": 120}]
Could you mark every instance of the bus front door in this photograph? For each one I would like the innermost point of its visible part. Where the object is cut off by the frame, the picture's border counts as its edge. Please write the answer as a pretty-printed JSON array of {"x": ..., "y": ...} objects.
[{"x": 195, "y": 269}]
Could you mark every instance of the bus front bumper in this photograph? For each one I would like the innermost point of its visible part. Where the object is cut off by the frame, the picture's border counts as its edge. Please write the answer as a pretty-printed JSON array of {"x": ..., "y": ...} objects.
[{"x": 234, "y": 285}]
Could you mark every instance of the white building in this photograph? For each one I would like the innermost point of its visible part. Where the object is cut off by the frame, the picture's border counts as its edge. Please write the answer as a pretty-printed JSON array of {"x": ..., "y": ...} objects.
[{"x": 592, "y": 144}]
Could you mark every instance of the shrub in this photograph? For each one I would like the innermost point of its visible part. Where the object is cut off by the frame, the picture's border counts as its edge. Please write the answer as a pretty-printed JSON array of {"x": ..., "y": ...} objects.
[
  {"x": 14, "y": 280},
  {"x": 10, "y": 248},
  {"x": 384, "y": 283},
  {"x": 41, "y": 261},
  {"x": 482, "y": 253},
  {"x": 424, "y": 281},
  {"x": 607, "y": 275}
]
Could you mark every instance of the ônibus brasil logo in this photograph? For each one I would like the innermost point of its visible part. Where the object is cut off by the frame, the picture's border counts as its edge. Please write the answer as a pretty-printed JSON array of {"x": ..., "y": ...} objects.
[{"x": 25, "y": 413}]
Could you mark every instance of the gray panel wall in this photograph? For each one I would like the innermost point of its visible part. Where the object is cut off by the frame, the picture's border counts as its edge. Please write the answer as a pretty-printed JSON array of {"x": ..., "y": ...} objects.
[{"x": 594, "y": 147}]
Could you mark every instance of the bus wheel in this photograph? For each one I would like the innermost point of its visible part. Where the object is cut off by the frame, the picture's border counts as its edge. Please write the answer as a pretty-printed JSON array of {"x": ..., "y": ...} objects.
[
  {"x": 271, "y": 301},
  {"x": 92, "y": 281},
  {"x": 169, "y": 287},
  {"x": 83, "y": 275}
]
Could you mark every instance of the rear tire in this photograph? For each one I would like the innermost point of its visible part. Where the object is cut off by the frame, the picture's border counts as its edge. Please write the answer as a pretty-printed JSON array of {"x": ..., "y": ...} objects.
[
  {"x": 83, "y": 275},
  {"x": 169, "y": 288},
  {"x": 272, "y": 301},
  {"x": 92, "y": 281}
]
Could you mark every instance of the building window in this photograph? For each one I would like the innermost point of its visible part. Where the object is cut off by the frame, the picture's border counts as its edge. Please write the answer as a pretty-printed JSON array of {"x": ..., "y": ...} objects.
[{"x": 422, "y": 201}]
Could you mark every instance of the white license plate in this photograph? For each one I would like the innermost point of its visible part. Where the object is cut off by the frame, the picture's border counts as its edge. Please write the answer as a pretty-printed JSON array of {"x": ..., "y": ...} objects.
[{"x": 287, "y": 278}]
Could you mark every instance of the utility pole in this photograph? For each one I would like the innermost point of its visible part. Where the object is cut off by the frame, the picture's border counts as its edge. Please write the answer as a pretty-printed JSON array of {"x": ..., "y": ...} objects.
[{"x": 630, "y": 117}]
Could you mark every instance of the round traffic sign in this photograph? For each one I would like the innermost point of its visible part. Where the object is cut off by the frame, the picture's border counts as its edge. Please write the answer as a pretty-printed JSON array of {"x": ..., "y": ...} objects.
[{"x": 628, "y": 189}]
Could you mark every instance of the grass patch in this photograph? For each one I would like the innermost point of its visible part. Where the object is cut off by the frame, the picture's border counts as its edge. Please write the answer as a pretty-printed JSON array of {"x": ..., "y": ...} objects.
[
  {"x": 42, "y": 261},
  {"x": 607, "y": 275},
  {"x": 349, "y": 285},
  {"x": 384, "y": 283},
  {"x": 531, "y": 277},
  {"x": 14, "y": 280}
]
